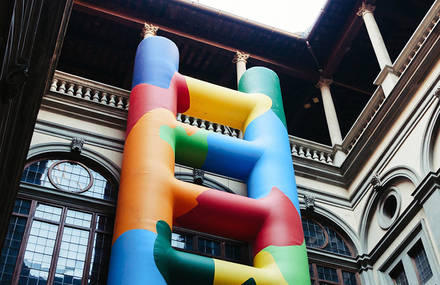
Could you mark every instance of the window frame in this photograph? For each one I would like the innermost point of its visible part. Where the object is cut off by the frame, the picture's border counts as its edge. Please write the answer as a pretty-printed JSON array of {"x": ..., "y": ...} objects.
[
  {"x": 88, "y": 163},
  {"x": 339, "y": 269},
  {"x": 326, "y": 242},
  {"x": 61, "y": 225},
  {"x": 245, "y": 250},
  {"x": 402, "y": 254}
]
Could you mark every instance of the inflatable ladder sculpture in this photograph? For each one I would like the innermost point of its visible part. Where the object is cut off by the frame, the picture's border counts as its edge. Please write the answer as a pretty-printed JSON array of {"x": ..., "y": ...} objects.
[{"x": 151, "y": 200}]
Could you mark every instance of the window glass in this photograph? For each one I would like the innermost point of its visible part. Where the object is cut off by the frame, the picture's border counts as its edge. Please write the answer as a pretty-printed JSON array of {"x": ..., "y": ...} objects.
[
  {"x": 209, "y": 247},
  {"x": 218, "y": 247},
  {"x": 324, "y": 275},
  {"x": 424, "y": 271},
  {"x": 69, "y": 176},
  {"x": 335, "y": 243},
  {"x": 22, "y": 206},
  {"x": 100, "y": 258},
  {"x": 38, "y": 254},
  {"x": 399, "y": 276},
  {"x": 327, "y": 273},
  {"x": 349, "y": 278},
  {"x": 182, "y": 241},
  {"x": 72, "y": 257},
  {"x": 324, "y": 237},
  {"x": 232, "y": 251},
  {"x": 47, "y": 212},
  {"x": 56, "y": 246},
  {"x": 313, "y": 234},
  {"x": 11, "y": 248}
]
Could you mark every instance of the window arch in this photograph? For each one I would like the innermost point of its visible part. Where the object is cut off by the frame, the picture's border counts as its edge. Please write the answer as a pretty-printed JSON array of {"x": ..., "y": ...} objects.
[
  {"x": 61, "y": 227},
  {"x": 328, "y": 250},
  {"x": 325, "y": 237},
  {"x": 69, "y": 175}
]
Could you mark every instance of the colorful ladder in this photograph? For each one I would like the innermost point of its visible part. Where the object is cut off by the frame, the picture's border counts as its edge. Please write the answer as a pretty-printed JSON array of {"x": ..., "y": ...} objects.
[{"x": 151, "y": 200}]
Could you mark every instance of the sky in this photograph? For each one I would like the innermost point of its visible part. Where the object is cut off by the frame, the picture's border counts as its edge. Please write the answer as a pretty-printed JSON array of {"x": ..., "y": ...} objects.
[{"x": 294, "y": 16}]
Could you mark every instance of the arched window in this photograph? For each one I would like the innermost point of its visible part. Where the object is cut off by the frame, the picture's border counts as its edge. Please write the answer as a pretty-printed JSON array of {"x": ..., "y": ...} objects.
[
  {"x": 61, "y": 227},
  {"x": 69, "y": 176},
  {"x": 321, "y": 239}
]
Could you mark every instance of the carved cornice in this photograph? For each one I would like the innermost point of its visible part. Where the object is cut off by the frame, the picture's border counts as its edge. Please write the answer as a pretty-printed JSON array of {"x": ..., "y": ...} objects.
[
  {"x": 149, "y": 30},
  {"x": 240, "y": 57}
]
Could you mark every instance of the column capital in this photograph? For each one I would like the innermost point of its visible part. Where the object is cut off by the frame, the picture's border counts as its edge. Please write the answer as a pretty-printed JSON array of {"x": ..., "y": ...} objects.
[
  {"x": 240, "y": 56},
  {"x": 324, "y": 82},
  {"x": 149, "y": 30},
  {"x": 365, "y": 8}
]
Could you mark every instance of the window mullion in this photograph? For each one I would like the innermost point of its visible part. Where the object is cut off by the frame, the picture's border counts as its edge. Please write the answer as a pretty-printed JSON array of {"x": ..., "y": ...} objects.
[
  {"x": 341, "y": 279},
  {"x": 19, "y": 262},
  {"x": 56, "y": 250},
  {"x": 409, "y": 269},
  {"x": 89, "y": 250}
]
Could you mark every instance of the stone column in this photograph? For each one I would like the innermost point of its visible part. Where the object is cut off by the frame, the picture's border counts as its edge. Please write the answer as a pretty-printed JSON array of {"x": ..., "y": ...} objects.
[
  {"x": 149, "y": 30},
  {"x": 330, "y": 112},
  {"x": 366, "y": 12},
  {"x": 240, "y": 60},
  {"x": 386, "y": 78}
]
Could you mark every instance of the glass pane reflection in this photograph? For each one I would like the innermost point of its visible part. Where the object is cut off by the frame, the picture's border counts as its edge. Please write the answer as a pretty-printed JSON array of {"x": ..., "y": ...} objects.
[
  {"x": 38, "y": 254},
  {"x": 48, "y": 212},
  {"x": 71, "y": 260}
]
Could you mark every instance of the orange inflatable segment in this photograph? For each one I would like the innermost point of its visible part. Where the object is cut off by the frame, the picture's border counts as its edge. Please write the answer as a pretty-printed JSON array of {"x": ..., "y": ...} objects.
[
  {"x": 185, "y": 196},
  {"x": 145, "y": 193}
]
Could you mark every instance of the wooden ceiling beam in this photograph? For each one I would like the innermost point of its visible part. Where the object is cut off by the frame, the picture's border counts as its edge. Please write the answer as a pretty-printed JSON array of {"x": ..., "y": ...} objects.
[
  {"x": 124, "y": 18},
  {"x": 351, "y": 29}
]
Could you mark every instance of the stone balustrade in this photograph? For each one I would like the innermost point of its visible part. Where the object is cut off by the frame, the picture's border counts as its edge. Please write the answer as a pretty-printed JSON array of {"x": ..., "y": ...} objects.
[
  {"x": 110, "y": 96},
  {"x": 89, "y": 90},
  {"x": 311, "y": 150},
  {"x": 98, "y": 93}
]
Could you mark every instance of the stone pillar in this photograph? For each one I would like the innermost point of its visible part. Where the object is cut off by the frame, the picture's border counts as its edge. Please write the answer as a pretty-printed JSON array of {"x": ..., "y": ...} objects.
[
  {"x": 149, "y": 30},
  {"x": 330, "y": 112},
  {"x": 386, "y": 78},
  {"x": 240, "y": 60},
  {"x": 366, "y": 12}
]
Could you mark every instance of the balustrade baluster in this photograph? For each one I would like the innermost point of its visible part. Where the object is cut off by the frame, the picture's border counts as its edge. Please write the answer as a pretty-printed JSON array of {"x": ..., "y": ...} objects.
[
  {"x": 195, "y": 122},
  {"x": 210, "y": 126},
  {"x": 112, "y": 102},
  {"x": 315, "y": 155},
  {"x": 79, "y": 92},
  {"x": 301, "y": 151},
  {"x": 120, "y": 104},
  {"x": 329, "y": 159},
  {"x": 187, "y": 121},
  {"x": 54, "y": 85},
  {"x": 234, "y": 133},
  {"x": 202, "y": 124},
  {"x": 104, "y": 98},
  {"x": 321, "y": 157},
  {"x": 87, "y": 94},
  {"x": 96, "y": 96},
  {"x": 71, "y": 89},
  {"x": 62, "y": 88},
  {"x": 294, "y": 150},
  {"x": 218, "y": 128},
  {"x": 179, "y": 117}
]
